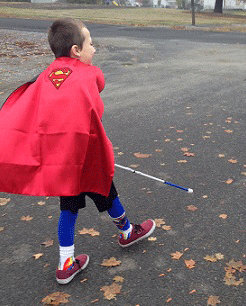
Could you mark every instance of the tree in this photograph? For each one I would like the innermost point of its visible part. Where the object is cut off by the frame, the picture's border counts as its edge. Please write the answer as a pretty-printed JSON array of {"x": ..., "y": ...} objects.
[{"x": 218, "y": 6}]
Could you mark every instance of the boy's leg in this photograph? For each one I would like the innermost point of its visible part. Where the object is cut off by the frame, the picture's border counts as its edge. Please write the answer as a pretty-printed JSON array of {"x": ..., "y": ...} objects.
[
  {"x": 68, "y": 265},
  {"x": 129, "y": 233},
  {"x": 66, "y": 226},
  {"x": 118, "y": 215}
]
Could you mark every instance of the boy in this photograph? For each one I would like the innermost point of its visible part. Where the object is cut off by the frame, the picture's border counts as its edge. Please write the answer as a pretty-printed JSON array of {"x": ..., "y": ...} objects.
[{"x": 53, "y": 143}]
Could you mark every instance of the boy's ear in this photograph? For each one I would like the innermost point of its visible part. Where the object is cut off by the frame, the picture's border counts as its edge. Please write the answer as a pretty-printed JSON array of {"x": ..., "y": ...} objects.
[{"x": 74, "y": 51}]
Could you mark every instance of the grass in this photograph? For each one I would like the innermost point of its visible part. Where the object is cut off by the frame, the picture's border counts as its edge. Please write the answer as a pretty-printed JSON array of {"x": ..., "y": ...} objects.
[{"x": 129, "y": 16}]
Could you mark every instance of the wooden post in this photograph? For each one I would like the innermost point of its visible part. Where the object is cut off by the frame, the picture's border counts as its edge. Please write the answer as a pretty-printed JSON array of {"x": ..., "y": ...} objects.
[{"x": 193, "y": 12}]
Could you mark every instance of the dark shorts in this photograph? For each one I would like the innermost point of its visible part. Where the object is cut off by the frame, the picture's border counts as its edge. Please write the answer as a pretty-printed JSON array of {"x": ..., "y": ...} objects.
[{"x": 74, "y": 203}]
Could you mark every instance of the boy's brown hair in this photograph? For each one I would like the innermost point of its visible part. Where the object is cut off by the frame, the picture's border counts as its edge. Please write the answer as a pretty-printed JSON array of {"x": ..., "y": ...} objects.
[{"x": 63, "y": 34}]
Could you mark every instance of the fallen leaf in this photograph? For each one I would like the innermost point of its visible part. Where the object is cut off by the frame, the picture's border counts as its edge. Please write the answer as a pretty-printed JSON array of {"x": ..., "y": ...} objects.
[
  {"x": 37, "y": 256},
  {"x": 152, "y": 238},
  {"x": 41, "y": 203},
  {"x": 118, "y": 279},
  {"x": 229, "y": 181},
  {"x": 243, "y": 173},
  {"x": 229, "y": 131},
  {"x": 26, "y": 218},
  {"x": 166, "y": 227},
  {"x": 161, "y": 275},
  {"x": 237, "y": 265},
  {"x": 192, "y": 291},
  {"x": 210, "y": 258},
  {"x": 213, "y": 300},
  {"x": 84, "y": 280},
  {"x": 111, "y": 291},
  {"x": 233, "y": 267},
  {"x": 221, "y": 155},
  {"x": 189, "y": 154},
  {"x": 56, "y": 298},
  {"x": 120, "y": 153},
  {"x": 232, "y": 161},
  {"x": 140, "y": 155},
  {"x": 167, "y": 140},
  {"x": 168, "y": 300},
  {"x": 95, "y": 301},
  {"x": 205, "y": 196},
  {"x": 177, "y": 255},
  {"x": 180, "y": 131},
  {"x": 4, "y": 201},
  {"x": 134, "y": 166},
  {"x": 90, "y": 231},
  {"x": 182, "y": 161},
  {"x": 159, "y": 222},
  {"x": 192, "y": 207},
  {"x": 158, "y": 150},
  {"x": 1, "y": 228},
  {"x": 185, "y": 149},
  {"x": 219, "y": 256},
  {"x": 190, "y": 264},
  {"x": 48, "y": 243},
  {"x": 223, "y": 216},
  {"x": 179, "y": 139},
  {"x": 111, "y": 262}
]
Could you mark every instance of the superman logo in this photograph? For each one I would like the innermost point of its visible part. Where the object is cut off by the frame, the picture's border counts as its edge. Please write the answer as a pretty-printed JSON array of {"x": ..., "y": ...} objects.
[{"x": 58, "y": 76}]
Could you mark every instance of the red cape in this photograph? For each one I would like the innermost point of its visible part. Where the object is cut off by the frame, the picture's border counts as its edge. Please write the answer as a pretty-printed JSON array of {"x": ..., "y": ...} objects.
[{"x": 52, "y": 141}]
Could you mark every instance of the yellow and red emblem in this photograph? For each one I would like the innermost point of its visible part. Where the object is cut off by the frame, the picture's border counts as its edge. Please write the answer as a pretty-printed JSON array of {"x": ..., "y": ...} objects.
[{"x": 58, "y": 76}]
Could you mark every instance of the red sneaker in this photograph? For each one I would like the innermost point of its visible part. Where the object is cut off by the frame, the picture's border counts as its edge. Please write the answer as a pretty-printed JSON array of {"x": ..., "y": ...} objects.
[
  {"x": 139, "y": 232},
  {"x": 65, "y": 276}
]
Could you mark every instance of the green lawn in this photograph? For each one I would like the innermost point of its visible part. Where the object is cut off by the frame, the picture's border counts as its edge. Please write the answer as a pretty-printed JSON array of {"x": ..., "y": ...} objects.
[{"x": 130, "y": 16}]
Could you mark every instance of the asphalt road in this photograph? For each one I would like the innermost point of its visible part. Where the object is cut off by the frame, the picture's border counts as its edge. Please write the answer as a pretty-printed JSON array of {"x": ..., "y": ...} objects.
[{"x": 167, "y": 92}]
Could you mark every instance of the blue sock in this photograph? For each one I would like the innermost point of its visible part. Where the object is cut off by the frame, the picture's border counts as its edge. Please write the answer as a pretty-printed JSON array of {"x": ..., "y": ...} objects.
[
  {"x": 66, "y": 226},
  {"x": 117, "y": 213}
]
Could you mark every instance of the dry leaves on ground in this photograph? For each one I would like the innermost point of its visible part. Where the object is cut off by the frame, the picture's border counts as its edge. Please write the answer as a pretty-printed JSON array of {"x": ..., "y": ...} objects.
[
  {"x": 182, "y": 161},
  {"x": 56, "y": 298},
  {"x": 229, "y": 181},
  {"x": 111, "y": 291},
  {"x": 177, "y": 255},
  {"x": 152, "y": 238},
  {"x": 90, "y": 231},
  {"x": 111, "y": 262},
  {"x": 166, "y": 227},
  {"x": 140, "y": 155},
  {"x": 48, "y": 243},
  {"x": 189, "y": 154},
  {"x": 233, "y": 273},
  {"x": 213, "y": 300},
  {"x": 223, "y": 216},
  {"x": 118, "y": 279},
  {"x": 159, "y": 222},
  {"x": 214, "y": 258},
  {"x": 4, "y": 201},
  {"x": 41, "y": 203},
  {"x": 26, "y": 218},
  {"x": 190, "y": 264},
  {"x": 192, "y": 207},
  {"x": 37, "y": 256},
  {"x": 232, "y": 161}
]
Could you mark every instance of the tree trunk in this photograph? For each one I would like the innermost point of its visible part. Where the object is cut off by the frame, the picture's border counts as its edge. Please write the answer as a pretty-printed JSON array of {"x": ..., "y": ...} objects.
[{"x": 218, "y": 6}]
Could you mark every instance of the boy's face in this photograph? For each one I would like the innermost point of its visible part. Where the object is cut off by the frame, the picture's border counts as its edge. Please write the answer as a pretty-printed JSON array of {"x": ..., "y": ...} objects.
[{"x": 87, "y": 53}]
